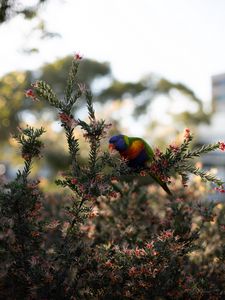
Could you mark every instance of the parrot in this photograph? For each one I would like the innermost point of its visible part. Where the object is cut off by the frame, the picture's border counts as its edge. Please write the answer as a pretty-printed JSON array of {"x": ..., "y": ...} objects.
[{"x": 137, "y": 152}]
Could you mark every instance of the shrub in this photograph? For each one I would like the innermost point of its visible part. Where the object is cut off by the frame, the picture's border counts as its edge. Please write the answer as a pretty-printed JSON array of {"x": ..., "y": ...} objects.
[{"x": 117, "y": 236}]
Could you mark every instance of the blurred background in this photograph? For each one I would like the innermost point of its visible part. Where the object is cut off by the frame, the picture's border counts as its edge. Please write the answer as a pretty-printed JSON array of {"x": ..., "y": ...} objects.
[{"x": 154, "y": 67}]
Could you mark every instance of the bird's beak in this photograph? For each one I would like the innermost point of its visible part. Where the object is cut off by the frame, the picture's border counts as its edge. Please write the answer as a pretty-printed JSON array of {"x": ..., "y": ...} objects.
[{"x": 111, "y": 147}]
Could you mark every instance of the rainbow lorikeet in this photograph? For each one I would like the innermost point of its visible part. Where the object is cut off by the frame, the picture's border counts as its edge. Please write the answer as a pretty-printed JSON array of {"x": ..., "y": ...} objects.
[{"x": 137, "y": 152}]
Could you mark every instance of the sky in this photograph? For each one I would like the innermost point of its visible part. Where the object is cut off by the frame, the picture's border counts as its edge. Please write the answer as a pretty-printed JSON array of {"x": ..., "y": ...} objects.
[{"x": 182, "y": 40}]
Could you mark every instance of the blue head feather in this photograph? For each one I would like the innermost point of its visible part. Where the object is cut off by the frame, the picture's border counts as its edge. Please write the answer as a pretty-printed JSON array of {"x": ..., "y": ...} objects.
[{"x": 119, "y": 142}]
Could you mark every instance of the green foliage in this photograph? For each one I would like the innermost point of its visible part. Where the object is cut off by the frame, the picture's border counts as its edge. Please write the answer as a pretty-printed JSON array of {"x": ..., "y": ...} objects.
[
  {"x": 12, "y": 100},
  {"x": 28, "y": 139},
  {"x": 44, "y": 90},
  {"x": 89, "y": 71},
  {"x": 108, "y": 238},
  {"x": 178, "y": 160},
  {"x": 10, "y": 8},
  {"x": 118, "y": 89},
  {"x": 86, "y": 182},
  {"x": 21, "y": 229}
]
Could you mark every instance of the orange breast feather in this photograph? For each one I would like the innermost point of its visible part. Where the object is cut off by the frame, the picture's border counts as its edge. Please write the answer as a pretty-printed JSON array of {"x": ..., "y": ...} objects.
[{"x": 134, "y": 149}]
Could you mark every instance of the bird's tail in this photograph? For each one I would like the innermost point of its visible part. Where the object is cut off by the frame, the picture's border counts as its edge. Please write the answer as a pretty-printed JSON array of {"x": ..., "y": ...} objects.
[{"x": 162, "y": 184}]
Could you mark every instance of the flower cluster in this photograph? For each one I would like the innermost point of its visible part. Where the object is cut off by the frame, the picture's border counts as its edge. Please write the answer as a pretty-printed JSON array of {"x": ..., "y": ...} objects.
[
  {"x": 68, "y": 120},
  {"x": 31, "y": 94},
  {"x": 220, "y": 189}
]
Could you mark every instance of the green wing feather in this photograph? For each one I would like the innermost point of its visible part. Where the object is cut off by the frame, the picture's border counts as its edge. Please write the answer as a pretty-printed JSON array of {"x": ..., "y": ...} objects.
[
  {"x": 149, "y": 150},
  {"x": 127, "y": 140},
  {"x": 150, "y": 154},
  {"x": 162, "y": 184}
]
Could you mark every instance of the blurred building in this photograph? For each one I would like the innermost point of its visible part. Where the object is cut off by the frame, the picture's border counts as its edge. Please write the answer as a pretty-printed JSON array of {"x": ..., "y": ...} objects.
[
  {"x": 218, "y": 92},
  {"x": 216, "y": 130}
]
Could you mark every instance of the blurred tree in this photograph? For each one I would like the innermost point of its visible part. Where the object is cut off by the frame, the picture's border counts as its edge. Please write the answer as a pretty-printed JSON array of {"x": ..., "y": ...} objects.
[
  {"x": 9, "y": 9},
  {"x": 12, "y": 102},
  {"x": 56, "y": 73},
  {"x": 12, "y": 8},
  {"x": 15, "y": 109},
  {"x": 14, "y": 105},
  {"x": 117, "y": 90},
  {"x": 147, "y": 89},
  {"x": 164, "y": 86}
]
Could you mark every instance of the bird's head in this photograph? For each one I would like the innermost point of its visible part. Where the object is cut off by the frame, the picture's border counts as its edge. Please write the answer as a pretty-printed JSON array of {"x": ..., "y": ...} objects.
[{"x": 118, "y": 142}]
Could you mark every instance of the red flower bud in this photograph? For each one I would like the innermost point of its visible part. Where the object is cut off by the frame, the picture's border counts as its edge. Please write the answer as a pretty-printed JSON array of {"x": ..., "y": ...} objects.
[
  {"x": 220, "y": 189},
  {"x": 77, "y": 56},
  {"x": 187, "y": 134},
  {"x": 74, "y": 181},
  {"x": 222, "y": 146},
  {"x": 30, "y": 94}
]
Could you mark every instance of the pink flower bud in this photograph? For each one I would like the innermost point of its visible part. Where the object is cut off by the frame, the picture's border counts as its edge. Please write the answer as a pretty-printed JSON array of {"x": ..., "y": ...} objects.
[
  {"x": 77, "y": 56},
  {"x": 74, "y": 181},
  {"x": 133, "y": 271},
  {"x": 158, "y": 152},
  {"x": 68, "y": 120},
  {"x": 26, "y": 156},
  {"x": 220, "y": 189},
  {"x": 187, "y": 134},
  {"x": 174, "y": 148},
  {"x": 143, "y": 173},
  {"x": 149, "y": 245},
  {"x": 108, "y": 264},
  {"x": 222, "y": 227},
  {"x": 30, "y": 94},
  {"x": 222, "y": 146}
]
